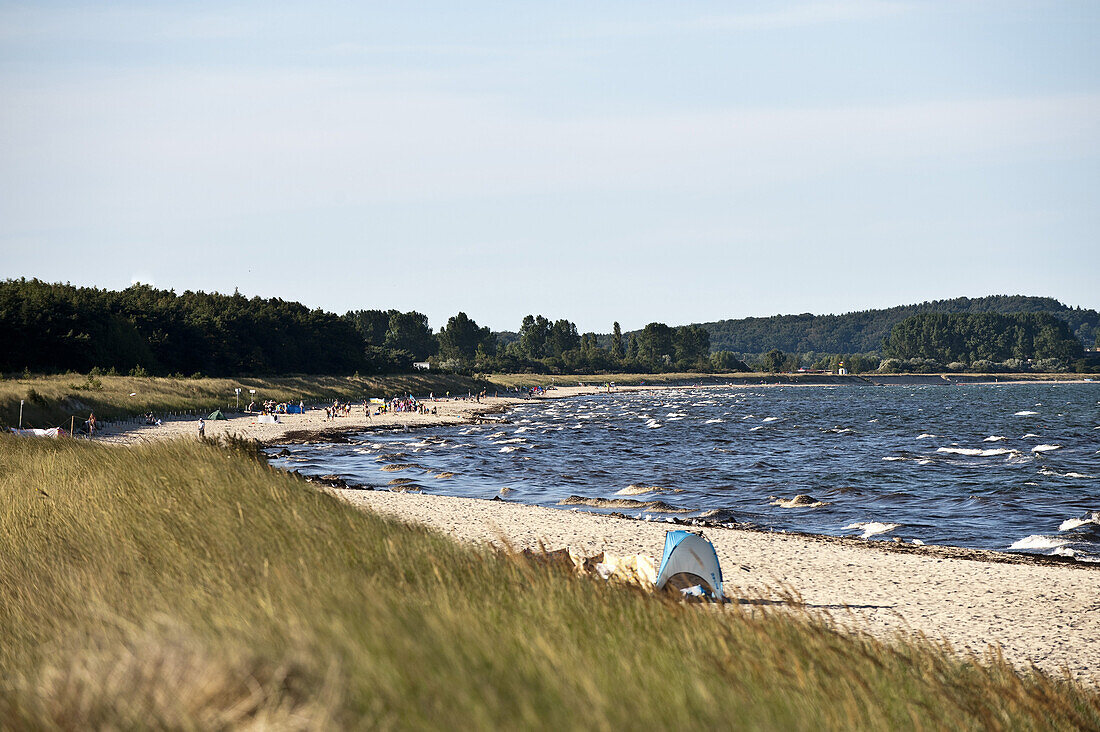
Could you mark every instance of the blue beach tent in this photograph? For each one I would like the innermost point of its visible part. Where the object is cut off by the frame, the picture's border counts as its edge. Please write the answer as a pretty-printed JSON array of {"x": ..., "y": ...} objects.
[{"x": 690, "y": 561}]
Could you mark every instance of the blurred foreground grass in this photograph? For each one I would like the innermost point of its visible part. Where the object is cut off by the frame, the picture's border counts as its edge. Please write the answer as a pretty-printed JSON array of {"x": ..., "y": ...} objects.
[{"x": 190, "y": 586}]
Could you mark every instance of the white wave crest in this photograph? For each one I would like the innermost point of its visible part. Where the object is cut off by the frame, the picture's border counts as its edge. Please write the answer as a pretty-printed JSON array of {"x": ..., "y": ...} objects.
[
  {"x": 872, "y": 528},
  {"x": 1025, "y": 413},
  {"x": 1046, "y": 448},
  {"x": 1038, "y": 541},
  {"x": 975, "y": 451},
  {"x": 770, "y": 419},
  {"x": 714, "y": 421},
  {"x": 1073, "y": 523},
  {"x": 994, "y": 438},
  {"x": 893, "y": 458},
  {"x": 924, "y": 436}
]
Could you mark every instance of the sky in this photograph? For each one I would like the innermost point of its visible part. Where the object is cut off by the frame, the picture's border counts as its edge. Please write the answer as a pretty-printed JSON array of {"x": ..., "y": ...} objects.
[{"x": 610, "y": 161}]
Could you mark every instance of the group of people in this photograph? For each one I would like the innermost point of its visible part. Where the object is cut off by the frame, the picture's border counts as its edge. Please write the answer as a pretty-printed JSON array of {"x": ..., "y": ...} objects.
[
  {"x": 405, "y": 404},
  {"x": 339, "y": 409}
]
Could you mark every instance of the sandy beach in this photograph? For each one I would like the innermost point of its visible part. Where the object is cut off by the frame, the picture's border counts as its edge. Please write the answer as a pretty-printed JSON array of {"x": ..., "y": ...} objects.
[
  {"x": 295, "y": 427},
  {"x": 1045, "y": 613}
]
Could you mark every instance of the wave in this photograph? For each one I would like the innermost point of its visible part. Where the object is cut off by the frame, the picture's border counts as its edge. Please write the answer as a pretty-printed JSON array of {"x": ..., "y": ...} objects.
[
  {"x": 894, "y": 459},
  {"x": 511, "y": 448},
  {"x": 976, "y": 451},
  {"x": 871, "y": 528},
  {"x": 1075, "y": 523},
  {"x": 1038, "y": 541},
  {"x": 658, "y": 506},
  {"x": 1046, "y": 448},
  {"x": 1025, "y": 413},
  {"x": 994, "y": 438},
  {"x": 924, "y": 436},
  {"x": 771, "y": 419},
  {"x": 1028, "y": 435},
  {"x": 757, "y": 427},
  {"x": 714, "y": 421}
]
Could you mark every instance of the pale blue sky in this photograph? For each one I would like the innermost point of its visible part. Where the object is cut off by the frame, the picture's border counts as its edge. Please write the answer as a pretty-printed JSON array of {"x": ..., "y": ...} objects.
[{"x": 625, "y": 161}]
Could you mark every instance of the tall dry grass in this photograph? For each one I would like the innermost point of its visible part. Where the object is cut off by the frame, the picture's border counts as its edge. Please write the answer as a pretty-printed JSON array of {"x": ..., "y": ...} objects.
[{"x": 189, "y": 586}]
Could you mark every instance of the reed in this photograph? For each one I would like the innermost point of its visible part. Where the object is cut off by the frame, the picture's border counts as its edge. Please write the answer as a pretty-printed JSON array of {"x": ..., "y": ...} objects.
[{"x": 184, "y": 584}]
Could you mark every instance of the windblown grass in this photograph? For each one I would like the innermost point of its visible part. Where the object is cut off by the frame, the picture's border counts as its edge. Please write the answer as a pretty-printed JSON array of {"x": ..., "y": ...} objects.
[
  {"x": 184, "y": 585},
  {"x": 51, "y": 400}
]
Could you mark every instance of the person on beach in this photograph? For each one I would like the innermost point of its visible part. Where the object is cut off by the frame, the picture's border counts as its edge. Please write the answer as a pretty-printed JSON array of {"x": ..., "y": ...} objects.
[
  {"x": 202, "y": 428},
  {"x": 91, "y": 425}
]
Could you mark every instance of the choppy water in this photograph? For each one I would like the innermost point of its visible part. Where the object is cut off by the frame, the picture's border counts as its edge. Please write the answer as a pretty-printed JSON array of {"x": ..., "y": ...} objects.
[{"x": 1010, "y": 467}]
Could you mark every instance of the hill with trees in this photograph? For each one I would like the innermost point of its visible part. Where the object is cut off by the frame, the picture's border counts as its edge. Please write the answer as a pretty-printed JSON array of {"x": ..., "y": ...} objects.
[{"x": 865, "y": 330}]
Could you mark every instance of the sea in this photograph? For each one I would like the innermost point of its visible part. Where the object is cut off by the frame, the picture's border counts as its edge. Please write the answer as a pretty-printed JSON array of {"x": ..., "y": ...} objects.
[{"x": 1006, "y": 467}]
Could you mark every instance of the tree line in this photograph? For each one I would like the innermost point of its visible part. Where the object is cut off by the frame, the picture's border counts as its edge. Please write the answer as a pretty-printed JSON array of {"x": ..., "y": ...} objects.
[
  {"x": 143, "y": 330},
  {"x": 864, "y": 331}
]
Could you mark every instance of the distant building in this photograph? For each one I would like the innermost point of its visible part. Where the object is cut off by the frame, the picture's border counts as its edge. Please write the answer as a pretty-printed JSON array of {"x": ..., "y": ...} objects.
[
  {"x": 841, "y": 371},
  {"x": 421, "y": 365}
]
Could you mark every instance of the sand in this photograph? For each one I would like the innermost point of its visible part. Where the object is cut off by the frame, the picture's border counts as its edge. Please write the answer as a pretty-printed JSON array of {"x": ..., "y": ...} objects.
[
  {"x": 1035, "y": 612},
  {"x": 297, "y": 427}
]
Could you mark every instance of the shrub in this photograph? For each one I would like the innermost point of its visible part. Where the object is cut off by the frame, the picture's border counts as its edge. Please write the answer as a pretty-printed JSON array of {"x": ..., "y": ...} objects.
[{"x": 139, "y": 371}]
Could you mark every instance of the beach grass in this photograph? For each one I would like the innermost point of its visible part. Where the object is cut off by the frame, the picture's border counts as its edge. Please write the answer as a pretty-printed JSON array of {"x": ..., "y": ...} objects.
[
  {"x": 51, "y": 401},
  {"x": 186, "y": 585}
]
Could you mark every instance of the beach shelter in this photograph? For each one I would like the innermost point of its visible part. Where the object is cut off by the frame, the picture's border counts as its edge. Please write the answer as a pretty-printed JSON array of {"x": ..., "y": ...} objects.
[
  {"x": 216, "y": 414},
  {"x": 690, "y": 565}
]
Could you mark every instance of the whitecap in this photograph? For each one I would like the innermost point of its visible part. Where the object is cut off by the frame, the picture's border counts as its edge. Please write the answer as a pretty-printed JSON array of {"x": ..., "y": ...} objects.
[
  {"x": 993, "y": 438},
  {"x": 1073, "y": 523},
  {"x": 770, "y": 419},
  {"x": 1063, "y": 552},
  {"x": 872, "y": 528},
  {"x": 714, "y": 421},
  {"x": 1029, "y": 434},
  {"x": 1046, "y": 448},
  {"x": 510, "y": 448},
  {"x": 893, "y": 458},
  {"x": 916, "y": 542},
  {"x": 975, "y": 451},
  {"x": 924, "y": 436},
  {"x": 1025, "y": 413},
  {"x": 1038, "y": 541},
  {"x": 757, "y": 427}
]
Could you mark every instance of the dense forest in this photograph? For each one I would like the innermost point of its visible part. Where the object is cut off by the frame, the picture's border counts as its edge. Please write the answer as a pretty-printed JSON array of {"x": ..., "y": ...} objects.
[
  {"x": 142, "y": 330},
  {"x": 968, "y": 338},
  {"x": 864, "y": 331}
]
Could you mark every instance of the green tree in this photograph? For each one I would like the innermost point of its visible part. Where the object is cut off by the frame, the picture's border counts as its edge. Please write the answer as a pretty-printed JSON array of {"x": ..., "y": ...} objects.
[
  {"x": 460, "y": 338},
  {"x": 410, "y": 332},
  {"x": 563, "y": 337},
  {"x": 533, "y": 334},
  {"x": 773, "y": 360},
  {"x": 655, "y": 345},
  {"x": 617, "y": 351}
]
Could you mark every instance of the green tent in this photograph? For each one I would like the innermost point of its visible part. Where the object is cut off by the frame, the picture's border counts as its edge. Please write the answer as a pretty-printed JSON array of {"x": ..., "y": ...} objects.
[{"x": 217, "y": 414}]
